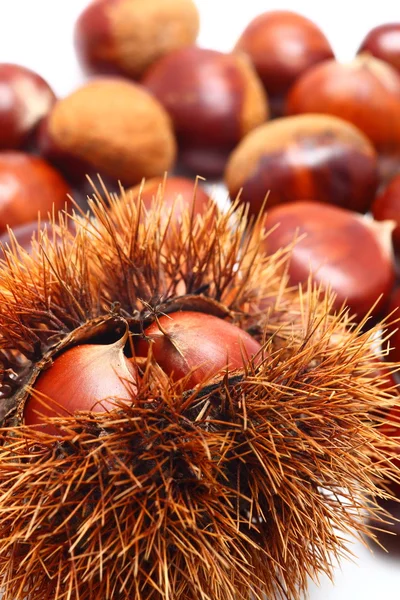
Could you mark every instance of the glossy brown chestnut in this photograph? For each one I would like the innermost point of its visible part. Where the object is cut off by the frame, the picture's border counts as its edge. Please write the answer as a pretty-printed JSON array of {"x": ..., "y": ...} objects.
[
  {"x": 282, "y": 45},
  {"x": 89, "y": 377},
  {"x": 25, "y": 98},
  {"x": 128, "y": 36},
  {"x": 365, "y": 92},
  {"x": 214, "y": 99},
  {"x": 387, "y": 206},
  {"x": 177, "y": 193},
  {"x": 312, "y": 157},
  {"x": 110, "y": 126},
  {"x": 341, "y": 249},
  {"x": 28, "y": 185},
  {"x": 384, "y": 42},
  {"x": 197, "y": 346}
]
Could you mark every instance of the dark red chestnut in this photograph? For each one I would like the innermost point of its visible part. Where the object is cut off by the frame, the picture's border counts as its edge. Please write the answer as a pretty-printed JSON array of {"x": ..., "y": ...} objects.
[
  {"x": 177, "y": 193},
  {"x": 341, "y": 249},
  {"x": 109, "y": 126},
  {"x": 282, "y": 46},
  {"x": 365, "y": 92},
  {"x": 28, "y": 185},
  {"x": 387, "y": 207},
  {"x": 384, "y": 42},
  {"x": 197, "y": 346},
  {"x": 214, "y": 99},
  {"x": 25, "y": 98},
  {"x": 312, "y": 157},
  {"x": 127, "y": 36},
  {"x": 89, "y": 377}
]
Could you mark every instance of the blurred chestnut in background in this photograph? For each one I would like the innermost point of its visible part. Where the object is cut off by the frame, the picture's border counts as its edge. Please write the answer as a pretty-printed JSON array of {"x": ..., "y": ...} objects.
[
  {"x": 384, "y": 42},
  {"x": 175, "y": 192},
  {"x": 365, "y": 92},
  {"x": 394, "y": 307},
  {"x": 214, "y": 99},
  {"x": 341, "y": 249},
  {"x": 24, "y": 234},
  {"x": 110, "y": 126},
  {"x": 387, "y": 206},
  {"x": 283, "y": 45},
  {"x": 127, "y": 36},
  {"x": 312, "y": 157},
  {"x": 28, "y": 185},
  {"x": 197, "y": 344},
  {"x": 25, "y": 98}
]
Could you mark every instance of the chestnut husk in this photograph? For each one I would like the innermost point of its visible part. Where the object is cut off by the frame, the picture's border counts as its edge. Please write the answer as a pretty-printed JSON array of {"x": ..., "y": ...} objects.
[{"x": 241, "y": 485}]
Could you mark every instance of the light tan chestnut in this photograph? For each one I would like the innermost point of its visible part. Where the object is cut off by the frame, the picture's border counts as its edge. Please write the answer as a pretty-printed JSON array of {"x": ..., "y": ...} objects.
[
  {"x": 111, "y": 126},
  {"x": 127, "y": 36}
]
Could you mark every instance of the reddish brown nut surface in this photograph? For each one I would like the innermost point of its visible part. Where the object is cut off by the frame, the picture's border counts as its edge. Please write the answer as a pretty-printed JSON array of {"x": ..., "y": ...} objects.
[
  {"x": 283, "y": 45},
  {"x": 384, "y": 43},
  {"x": 341, "y": 249},
  {"x": 387, "y": 206},
  {"x": 312, "y": 157},
  {"x": 28, "y": 185},
  {"x": 177, "y": 193},
  {"x": 127, "y": 36},
  {"x": 112, "y": 127},
  {"x": 214, "y": 99},
  {"x": 197, "y": 344},
  {"x": 25, "y": 98},
  {"x": 365, "y": 92}
]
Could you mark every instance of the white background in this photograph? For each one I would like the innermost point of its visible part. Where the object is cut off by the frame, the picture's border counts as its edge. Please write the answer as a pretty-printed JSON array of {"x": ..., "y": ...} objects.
[{"x": 38, "y": 34}]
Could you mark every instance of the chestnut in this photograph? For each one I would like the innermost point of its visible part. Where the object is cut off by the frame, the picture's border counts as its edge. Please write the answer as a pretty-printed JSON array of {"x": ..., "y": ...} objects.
[
  {"x": 177, "y": 193},
  {"x": 394, "y": 327},
  {"x": 387, "y": 206},
  {"x": 365, "y": 92},
  {"x": 213, "y": 98},
  {"x": 25, "y": 98},
  {"x": 341, "y": 249},
  {"x": 308, "y": 157},
  {"x": 25, "y": 234},
  {"x": 28, "y": 185},
  {"x": 282, "y": 46},
  {"x": 383, "y": 42},
  {"x": 88, "y": 377},
  {"x": 112, "y": 127},
  {"x": 196, "y": 346},
  {"x": 127, "y": 36}
]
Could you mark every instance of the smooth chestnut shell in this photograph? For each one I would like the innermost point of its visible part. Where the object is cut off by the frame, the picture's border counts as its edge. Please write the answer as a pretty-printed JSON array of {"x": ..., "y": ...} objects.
[
  {"x": 213, "y": 98},
  {"x": 308, "y": 157},
  {"x": 197, "y": 346},
  {"x": 282, "y": 45},
  {"x": 28, "y": 185},
  {"x": 340, "y": 249},
  {"x": 365, "y": 92},
  {"x": 386, "y": 206},
  {"x": 25, "y": 98},
  {"x": 383, "y": 42}
]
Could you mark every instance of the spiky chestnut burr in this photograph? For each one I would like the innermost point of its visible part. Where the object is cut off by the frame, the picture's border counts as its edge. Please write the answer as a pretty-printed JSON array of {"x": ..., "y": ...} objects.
[{"x": 242, "y": 485}]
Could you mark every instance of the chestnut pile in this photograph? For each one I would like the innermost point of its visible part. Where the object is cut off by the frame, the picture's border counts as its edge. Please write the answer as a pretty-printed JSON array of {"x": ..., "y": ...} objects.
[{"x": 168, "y": 368}]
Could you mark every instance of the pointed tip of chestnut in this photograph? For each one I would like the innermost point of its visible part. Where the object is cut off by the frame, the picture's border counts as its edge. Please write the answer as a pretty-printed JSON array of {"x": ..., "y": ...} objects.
[{"x": 194, "y": 347}]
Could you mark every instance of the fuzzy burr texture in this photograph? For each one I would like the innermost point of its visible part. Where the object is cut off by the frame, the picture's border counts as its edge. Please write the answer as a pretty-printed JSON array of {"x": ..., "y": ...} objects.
[
  {"x": 129, "y": 35},
  {"x": 241, "y": 486},
  {"x": 114, "y": 127}
]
